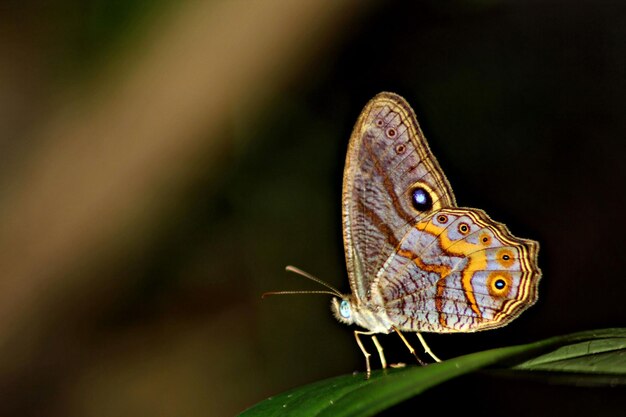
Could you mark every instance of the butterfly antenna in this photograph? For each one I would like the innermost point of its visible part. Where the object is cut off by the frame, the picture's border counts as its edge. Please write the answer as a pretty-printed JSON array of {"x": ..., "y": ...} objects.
[{"x": 333, "y": 290}]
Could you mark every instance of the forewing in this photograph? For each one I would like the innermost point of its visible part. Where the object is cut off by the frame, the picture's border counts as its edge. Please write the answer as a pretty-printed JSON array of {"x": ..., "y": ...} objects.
[{"x": 387, "y": 158}]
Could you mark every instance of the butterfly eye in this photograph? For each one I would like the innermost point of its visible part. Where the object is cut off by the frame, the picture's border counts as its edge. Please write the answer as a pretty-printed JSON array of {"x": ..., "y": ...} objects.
[
  {"x": 442, "y": 218},
  {"x": 421, "y": 199},
  {"x": 499, "y": 284},
  {"x": 400, "y": 149},
  {"x": 379, "y": 122},
  {"x": 344, "y": 309},
  {"x": 391, "y": 132},
  {"x": 464, "y": 228}
]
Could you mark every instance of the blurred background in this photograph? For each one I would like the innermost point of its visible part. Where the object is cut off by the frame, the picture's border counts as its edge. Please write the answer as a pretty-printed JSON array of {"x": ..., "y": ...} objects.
[{"x": 161, "y": 162}]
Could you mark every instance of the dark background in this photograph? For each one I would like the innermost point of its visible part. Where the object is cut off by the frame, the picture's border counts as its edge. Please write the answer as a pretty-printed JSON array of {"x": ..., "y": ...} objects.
[{"x": 144, "y": 209}]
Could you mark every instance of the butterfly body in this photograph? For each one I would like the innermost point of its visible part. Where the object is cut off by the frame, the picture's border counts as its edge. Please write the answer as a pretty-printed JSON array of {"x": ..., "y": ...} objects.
[{"x": 417, "y": 262}]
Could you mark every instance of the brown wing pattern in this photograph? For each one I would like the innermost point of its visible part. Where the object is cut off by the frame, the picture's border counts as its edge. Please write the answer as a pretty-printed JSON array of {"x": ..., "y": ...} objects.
[{"x": 387, "y": 159}]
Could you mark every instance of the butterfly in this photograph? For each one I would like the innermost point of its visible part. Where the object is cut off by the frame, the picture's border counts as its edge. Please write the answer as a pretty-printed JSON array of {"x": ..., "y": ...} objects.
[{"x": 416, "y": 261}]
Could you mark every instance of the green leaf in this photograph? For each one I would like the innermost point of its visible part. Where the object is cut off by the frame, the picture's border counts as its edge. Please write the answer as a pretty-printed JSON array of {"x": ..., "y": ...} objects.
[
  {"x": 596, "y": 356},
  {"x": 597, "y": 352}
]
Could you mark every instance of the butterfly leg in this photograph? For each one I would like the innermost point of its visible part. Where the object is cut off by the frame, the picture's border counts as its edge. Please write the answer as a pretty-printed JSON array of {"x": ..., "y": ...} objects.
[
  {"x": 408, "y": 345},
  {"x": 365, "y": 352},
  {"x": 381, "y": 354},
  {"x": 427, "y": 348}
]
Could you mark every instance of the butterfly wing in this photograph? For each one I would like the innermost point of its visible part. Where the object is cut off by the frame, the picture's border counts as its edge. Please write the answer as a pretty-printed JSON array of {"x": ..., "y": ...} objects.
[
  {"x": 458, "y": 270},
  {"x": 391, "y": 181}
]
